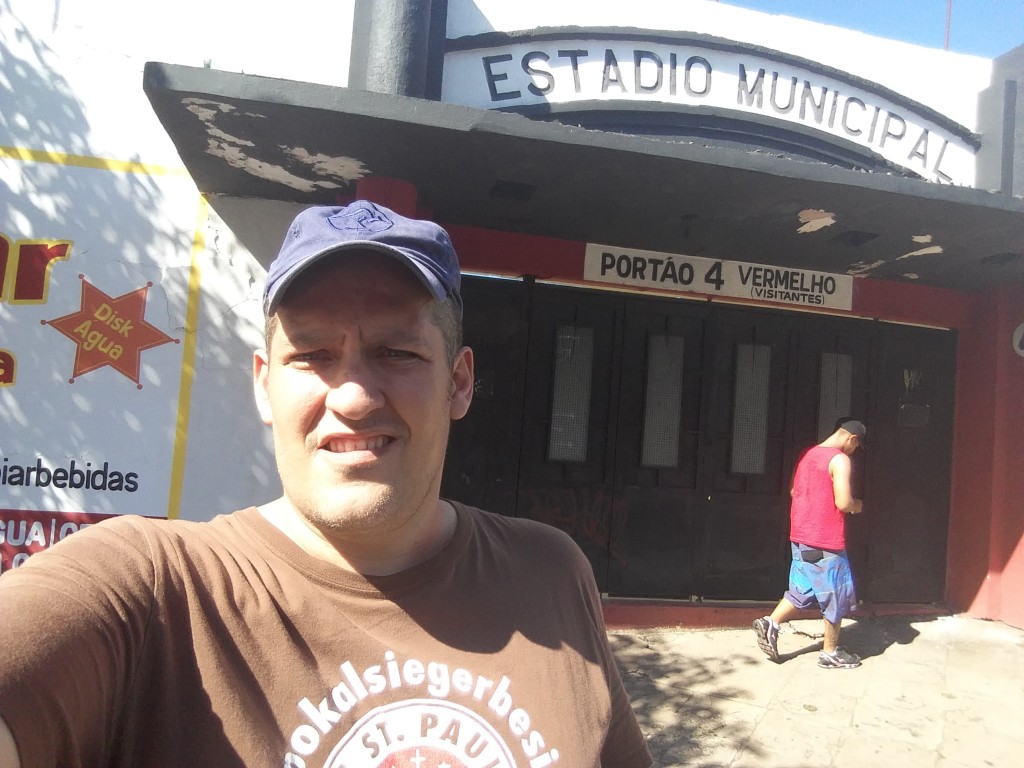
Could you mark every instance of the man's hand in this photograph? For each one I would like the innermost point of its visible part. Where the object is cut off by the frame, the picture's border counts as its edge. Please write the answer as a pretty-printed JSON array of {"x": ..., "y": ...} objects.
[{"x": 856, "y": 507}]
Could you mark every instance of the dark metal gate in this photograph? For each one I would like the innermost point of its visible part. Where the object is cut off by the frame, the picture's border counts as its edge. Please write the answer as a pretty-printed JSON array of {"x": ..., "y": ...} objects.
[{"x": 661, "y": 434}]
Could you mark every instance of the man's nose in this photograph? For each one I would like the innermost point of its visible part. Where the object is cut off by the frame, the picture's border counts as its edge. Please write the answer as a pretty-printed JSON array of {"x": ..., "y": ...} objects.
[{"x": 354, "y": 392}]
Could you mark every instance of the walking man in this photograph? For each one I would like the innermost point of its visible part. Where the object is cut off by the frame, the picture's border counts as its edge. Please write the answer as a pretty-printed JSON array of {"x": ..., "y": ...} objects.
[{"x": 820, "y": 572}]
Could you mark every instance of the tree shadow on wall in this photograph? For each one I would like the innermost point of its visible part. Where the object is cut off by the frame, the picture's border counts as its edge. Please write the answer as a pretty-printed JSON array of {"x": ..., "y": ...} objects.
[{"x": 124, "y": 237}]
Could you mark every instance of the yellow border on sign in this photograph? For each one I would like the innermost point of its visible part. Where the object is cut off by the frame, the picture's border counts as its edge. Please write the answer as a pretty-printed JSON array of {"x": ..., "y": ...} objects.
[
  {"x": 86, "y": 161},
  {"x": 188, "y": 364}
]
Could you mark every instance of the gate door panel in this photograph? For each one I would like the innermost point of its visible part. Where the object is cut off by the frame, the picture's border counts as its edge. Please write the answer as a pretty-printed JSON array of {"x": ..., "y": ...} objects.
[
  {"x": 832, "y": 380},
  {"x": 908, "y": 463},
  {"x": 662, "y": 434},
  {"x": 655, "y": 497},
  {"x": 747, "y": 482},
  {"x": 482, "y": 464},
  {"x": 565, "y": 472}
]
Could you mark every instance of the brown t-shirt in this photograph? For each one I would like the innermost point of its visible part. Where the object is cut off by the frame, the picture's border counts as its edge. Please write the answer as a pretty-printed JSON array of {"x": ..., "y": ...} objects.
[{"x": 158, "y": 643}]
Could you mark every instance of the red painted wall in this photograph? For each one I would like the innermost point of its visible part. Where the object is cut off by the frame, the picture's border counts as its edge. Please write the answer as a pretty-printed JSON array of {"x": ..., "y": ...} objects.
[
  {"x": 971, "y": 499},
  {"x": 1001, "y": 594},
  {"x": 515, "y": 255},
  {"x": 985, "y": 554}
]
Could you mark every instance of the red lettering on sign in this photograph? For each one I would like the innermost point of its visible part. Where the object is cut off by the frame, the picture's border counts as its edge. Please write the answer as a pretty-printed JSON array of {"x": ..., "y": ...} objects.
[
  {"x": 7, "y": 368},
  {"x": 25, "y": 268}
]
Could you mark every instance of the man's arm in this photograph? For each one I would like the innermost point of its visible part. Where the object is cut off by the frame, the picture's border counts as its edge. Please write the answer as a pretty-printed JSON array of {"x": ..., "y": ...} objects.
[
  {"x": 840, "y": 468},
  {"x": 8, "y": 749},
  {"x": 79, "y": 609}
]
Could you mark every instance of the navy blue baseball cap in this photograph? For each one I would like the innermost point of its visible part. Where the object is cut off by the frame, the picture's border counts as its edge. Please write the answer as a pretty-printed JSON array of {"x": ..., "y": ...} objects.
[{"x": 421, "y": 245}]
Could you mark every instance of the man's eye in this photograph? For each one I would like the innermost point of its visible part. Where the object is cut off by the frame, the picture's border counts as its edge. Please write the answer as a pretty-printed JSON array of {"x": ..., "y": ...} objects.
[
  {"x": 398, "y": 353},
  {"x": 306, "y": 357}
]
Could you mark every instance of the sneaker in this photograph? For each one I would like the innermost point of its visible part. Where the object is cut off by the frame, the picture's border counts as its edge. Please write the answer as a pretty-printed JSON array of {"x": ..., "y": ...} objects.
[
  {"x": 840, "y": 658},
  {"x": 767, "y": 637}
]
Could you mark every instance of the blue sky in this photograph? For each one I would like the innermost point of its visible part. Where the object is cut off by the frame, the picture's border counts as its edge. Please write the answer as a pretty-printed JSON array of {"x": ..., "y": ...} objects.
[{"x": 981, "y": 27}]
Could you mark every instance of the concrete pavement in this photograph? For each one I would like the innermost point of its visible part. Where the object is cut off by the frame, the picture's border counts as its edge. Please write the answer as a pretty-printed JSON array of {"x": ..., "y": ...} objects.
[{"x": 934, "y": 691}]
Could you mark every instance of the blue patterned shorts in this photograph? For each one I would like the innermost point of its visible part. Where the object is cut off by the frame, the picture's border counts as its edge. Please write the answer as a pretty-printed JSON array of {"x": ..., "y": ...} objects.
[{"x": 827, "y": 583}]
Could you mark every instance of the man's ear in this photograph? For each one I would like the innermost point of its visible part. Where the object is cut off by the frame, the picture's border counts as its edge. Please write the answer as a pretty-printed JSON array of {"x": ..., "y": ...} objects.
[
  {"x": 462, "y": 383},
  {"x": 260, "y": 384}
]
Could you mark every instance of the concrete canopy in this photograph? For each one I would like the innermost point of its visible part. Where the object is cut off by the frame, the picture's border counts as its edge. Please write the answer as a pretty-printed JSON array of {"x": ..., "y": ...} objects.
[{"x": 255, "y": 137}]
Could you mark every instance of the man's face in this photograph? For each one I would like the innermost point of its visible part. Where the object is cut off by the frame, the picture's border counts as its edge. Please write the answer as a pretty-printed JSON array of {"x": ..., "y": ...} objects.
[
  {"x": 359, "y": 393},
  {"x": 853, "y": 442}
]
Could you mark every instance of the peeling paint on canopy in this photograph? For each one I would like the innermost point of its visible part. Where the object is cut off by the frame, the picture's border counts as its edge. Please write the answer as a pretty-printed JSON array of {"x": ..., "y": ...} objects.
[
  {"x": 746, "y": 203},
  {"x": 333, "y": 172},
  {"x": 863, "y": 268},
  {"x": 931, "y": 250},
  {"x": 813, "y": 220},
  {"x": 207, "y": 112},
  {"x": 346, "y": 168}
]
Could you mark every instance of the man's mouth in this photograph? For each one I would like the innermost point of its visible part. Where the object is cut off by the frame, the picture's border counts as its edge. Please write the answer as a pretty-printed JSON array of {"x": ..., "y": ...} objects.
[{"x": 347, "y": 444}]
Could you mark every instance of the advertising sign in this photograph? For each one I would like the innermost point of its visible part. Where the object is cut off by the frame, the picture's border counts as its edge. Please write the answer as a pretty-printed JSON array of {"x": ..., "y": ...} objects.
[{"x": 95, "y": 289}]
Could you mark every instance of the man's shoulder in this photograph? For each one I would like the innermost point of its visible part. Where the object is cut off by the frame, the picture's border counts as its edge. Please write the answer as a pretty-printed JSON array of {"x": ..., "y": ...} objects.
[
  {"x": 839, "y": 461},
  {"x": 120, "y": 555},
  {"x": 820, "y": 454},
  {"x": 149, "y": 536},
  {"x": 521, "y": 534},
  {"x": 132, "y": 524},
  {"x": 822, "y": 450},
  {"x": 513, "y": 526}
]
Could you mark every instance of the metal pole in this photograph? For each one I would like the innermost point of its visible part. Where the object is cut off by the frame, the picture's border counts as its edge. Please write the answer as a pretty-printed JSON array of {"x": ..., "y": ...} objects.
[{"x": 949, "y": 15}]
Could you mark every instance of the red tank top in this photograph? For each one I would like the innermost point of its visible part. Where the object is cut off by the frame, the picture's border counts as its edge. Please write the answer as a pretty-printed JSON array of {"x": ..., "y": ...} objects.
[{"x": 814, "y": 518}]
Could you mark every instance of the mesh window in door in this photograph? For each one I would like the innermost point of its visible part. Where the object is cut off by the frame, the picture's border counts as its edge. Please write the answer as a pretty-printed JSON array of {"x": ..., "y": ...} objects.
[
  {"x": 663, "y": 401},
  {"x": 834, "y": 391},
  {"x": 750, "y": 408},
  {"x": 570, "y": 398}
]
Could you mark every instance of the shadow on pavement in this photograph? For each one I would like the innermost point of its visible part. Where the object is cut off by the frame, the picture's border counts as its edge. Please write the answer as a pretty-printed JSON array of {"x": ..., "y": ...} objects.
[
  {"x": 867, "y": 635},
  {"x": 698, "y": 698},
  {"x": 871, "y": 636},
  {"x": 682, "y": 702}
]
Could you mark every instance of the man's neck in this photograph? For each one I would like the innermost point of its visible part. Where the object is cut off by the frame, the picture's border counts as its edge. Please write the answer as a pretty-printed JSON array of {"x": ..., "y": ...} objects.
[
  {"x": 373, "y": 554},
  {"x": 833, "y": 441}
]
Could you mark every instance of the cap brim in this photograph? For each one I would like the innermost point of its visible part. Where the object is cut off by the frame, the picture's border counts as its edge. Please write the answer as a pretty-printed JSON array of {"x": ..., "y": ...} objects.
[{"x": 425, "y": 275}]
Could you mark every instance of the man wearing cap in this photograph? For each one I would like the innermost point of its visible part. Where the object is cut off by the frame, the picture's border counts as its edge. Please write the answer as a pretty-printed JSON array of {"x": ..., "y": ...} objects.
[
  {"x": 358, "y": 620},
  {"x": 820, "y": 571}
]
